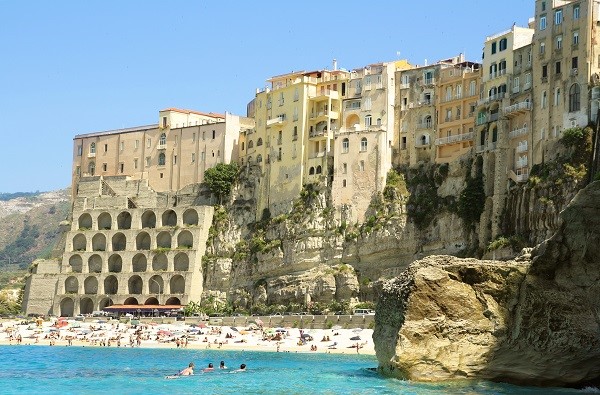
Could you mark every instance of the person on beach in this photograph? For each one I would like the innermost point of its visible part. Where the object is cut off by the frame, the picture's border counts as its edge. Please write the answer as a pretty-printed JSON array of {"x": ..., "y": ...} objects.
[
  {"x": 189, "y": 371},
  {"x": 210, "y": 368},
  {"x": 222, "y": 365}
]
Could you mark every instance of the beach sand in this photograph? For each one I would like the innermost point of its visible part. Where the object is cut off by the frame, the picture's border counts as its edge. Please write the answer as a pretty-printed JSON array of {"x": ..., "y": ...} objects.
[{"x": 96, "y": 333}]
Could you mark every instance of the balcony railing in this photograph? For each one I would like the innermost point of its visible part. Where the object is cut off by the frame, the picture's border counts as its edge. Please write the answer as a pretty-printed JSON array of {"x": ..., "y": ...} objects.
[
  {"x": 518, "y": 107},
  {"x": 424, "y": 125},
  {"x": 161, "y": 146},
  {"x": 522, "y": 175},
  {"x": 277, "y": 120},
  {"x": 404, "y": 86},
  {"x": 497, "y": 96},
  {"x": 526, "y": 86},
  {"x": 521, "y": 148},
  {"x": 428, "y": 81},
  {"x": 454, "y": 139},
  {"x": 317, "y": 133},
  {"x": 518, "y": 132},
  {"x": 314, "y": 155},
  {"x": 91, "y": 155},
  {"x": 494, "y": 116},
  {"x": 522, "y": 162},
  {"x": 480, "y": 148}
]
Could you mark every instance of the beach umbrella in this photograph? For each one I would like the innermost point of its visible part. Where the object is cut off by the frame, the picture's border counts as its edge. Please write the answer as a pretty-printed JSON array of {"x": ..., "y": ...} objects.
[
  {"x": 233, "y": 328},
  {"x": 336, "y": 327},
  {"x": 355, "y": 338},
  {"x": 356, "y": 330}
]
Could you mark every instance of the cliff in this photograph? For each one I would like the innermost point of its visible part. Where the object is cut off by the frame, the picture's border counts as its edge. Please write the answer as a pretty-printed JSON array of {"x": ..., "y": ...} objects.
[{"x": 530, "y": 321}]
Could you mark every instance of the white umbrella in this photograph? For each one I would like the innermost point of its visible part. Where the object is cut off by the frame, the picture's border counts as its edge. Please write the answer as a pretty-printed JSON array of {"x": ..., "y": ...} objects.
[
  {"x": 356, "y": 330},
  {"x": 336, "y": 327}
]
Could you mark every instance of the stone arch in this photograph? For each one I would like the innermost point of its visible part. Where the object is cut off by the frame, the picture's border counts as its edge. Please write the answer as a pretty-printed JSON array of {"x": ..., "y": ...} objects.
[
  {"x": 190, "y": 217},
  {"x": 135, "y": 285},
  {"x": 185, "y": 239},
  {"x": 90, "y": 285},
  {"x": 86, "y": 306},
  {"x": 181, "y": 262},
  {"x": 143, "y": 241},
  {"x": 319, "y": 170},
  {"x": 71, "y": 285},
  {"x": 95, "y": 264},
  {"x": 173, "y": 301},
  {"x": 352, "y": 120},
  {"x": 111, "y": 285},
  {"x": 139, "y": 263},
  {"x": 105, "y": 302},
  {"x": 169, "y": 218},
  {"x": 151, "y": 301},
  {"x": 119, "y": 242},
  {"x": 131, "y": 300},
  {"x": 76, "y": 263},
  {"x": 104, "y": 221},
  {"x": 124, "y": 220},
  {"x": 163, "y": 240},
  {"x": 99, "y": 242},
  {"x": 311, "y": 171},
  {"x": 177, "y": 284},
  {"x": 79, "y": 242},
  {"x": 85, "y": 221},
  {"x": 67, "y": 307},
  {"x": 156, "y": 285},
  {"x": 149, "y": 219},
  {"x": 160, "y": 262},
  {"x": 115, "y": 263}
]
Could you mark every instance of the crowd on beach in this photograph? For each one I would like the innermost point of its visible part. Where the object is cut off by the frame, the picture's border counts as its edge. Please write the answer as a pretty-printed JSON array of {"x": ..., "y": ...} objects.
[{"x": 113, "y": 333}]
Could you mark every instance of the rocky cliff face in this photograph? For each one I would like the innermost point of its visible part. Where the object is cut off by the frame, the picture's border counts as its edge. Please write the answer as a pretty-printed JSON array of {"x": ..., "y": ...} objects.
[{"x": 531, "y": 321}]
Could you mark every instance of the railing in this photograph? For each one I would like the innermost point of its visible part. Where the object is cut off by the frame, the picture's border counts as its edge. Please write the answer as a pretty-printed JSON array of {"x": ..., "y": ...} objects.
[
  {"x": 481, "y": 120},
  {"x": 497, "y": 96},
  {"x": 454, "y": 139},
  {"x": 527, "y": 86},
  {"x": 428, "y": 81},
  {"x": 518, "y": 132},
  {"x": 522, "y": 162},
  {"x": 320, "y": 154},
  {"x": 379, "y": 85},
  {"x": 494, "y": 116},
  {"x": 404, "y": 86},
  {"x": 516, "y": 89},
  {"x": 422, "y": 144},
  {"x": 480, "y": 148},
  {"x": 277, "y": 119},
  {"x": 161, "y": 146},
  {"x": 522, "y": 175},
  {"x": 522, "y": 148},
  {"x": 522, "y": 106},
  {"x": 317, "y": 133},
  {"x": 295, "y": 137},
  {"x": 424, "y": 125},
  {"x": 91, "y": 155},
  {"x": 426, "y": 103}
]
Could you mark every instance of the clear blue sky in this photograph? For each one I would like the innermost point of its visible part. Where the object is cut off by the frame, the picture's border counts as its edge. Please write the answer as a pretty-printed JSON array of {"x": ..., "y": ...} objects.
[{"x": 72, "y": 67}]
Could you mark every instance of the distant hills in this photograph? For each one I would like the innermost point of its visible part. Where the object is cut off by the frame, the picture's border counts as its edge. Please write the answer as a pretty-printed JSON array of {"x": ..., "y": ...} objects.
[{"x": 28, "y": 229}]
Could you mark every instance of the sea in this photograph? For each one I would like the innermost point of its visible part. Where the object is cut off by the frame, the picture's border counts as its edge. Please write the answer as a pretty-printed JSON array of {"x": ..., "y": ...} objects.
[{"x": 100, "y": 370}]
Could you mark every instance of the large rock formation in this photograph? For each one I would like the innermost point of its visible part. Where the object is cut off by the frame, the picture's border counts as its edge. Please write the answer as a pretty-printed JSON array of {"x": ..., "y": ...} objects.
[{"x": 530, "y": 321}]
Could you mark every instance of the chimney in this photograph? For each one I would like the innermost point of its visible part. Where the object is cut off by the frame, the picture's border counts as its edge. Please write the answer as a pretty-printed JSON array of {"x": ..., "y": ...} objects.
[{"x": 334, "y": 64}]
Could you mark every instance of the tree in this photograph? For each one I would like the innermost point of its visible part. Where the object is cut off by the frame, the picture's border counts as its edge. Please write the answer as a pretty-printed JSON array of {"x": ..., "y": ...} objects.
[{"x": 220, "y": 179}]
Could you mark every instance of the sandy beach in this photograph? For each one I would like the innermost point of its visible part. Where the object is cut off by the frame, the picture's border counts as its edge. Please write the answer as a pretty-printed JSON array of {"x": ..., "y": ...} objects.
[{"x": 102, "y": 333}]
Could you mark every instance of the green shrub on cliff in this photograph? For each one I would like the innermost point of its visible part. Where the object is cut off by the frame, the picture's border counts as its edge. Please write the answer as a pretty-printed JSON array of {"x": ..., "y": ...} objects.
[{"x": 220, "y": 179}]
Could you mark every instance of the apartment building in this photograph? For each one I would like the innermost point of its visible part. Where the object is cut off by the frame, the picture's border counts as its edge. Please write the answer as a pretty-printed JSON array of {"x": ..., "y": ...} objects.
[
  {"x": 170, "y": 155},
  {"x": 458, "y": 91}
]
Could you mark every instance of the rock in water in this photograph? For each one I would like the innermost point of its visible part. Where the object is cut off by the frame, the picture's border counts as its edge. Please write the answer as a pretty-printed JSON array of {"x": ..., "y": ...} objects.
[{"x": 534, "y": 322}]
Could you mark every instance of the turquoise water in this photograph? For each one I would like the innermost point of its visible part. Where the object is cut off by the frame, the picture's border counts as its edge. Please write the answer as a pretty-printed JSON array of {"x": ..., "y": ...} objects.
[{"x": 87, "y": 370}]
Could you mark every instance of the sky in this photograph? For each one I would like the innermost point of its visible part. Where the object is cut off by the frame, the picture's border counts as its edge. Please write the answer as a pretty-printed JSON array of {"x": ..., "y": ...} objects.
[{"x": 73, "y": 67}]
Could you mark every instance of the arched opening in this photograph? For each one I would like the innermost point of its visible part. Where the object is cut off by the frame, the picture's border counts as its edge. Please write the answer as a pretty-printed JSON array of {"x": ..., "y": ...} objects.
[
  {"x": 90, "y": 286},
  {"x": 156, "y": 285},
  {"x": 259, "y": 142},
  {"x": 311, "y": 171},
  {"x": 169, "y": 218},
  {"x": 149, "y": 219},
  {"x": 135, "y": 285},
  {"x": 190, "y": 217},
  {"x": 319, "y": 169},
  {"x": 139, "y": 263},
  {"x": 86, "y": 306},
  {"x": 162, "y": 159},
  {"x": 482, "y": 138},
  {"x": 124, "y": 220},
  {"x": 151, "y": 301},
  {"x": 163, "y": 240},
  {"x": 160, "y": 262},
  {"x": 95, "y": 264},
  {"x": 79, "y": 242},
  {"x": 131, "y": 300},
  {"x": 181, "y": 263},
  {"x": 142, "y": 241},
  {"x": 111, "y": 285},
  {"x": 99, "y": 242},
  {"x": 71, "y": 285},
  {"x": 115, "y": 263},
  {"x": 494, "y": 135},
  {"x": 105, "y": 302},
  {"x": 104, "y": 221},
  {"x": 76, "y": 263},
  {"x": 92, "y": 169},
  {"x": 67, "y": 307},
  {"x": 85, "y": 222},
  {"x": 185, "y": 240},
  {"x": 173, "y": 301},
  {"x": 352, "y": 121},
  {"x": 119, "y": 242},
  {"x": 259, "y": 158},
  {"x": 177, "y": 284}
]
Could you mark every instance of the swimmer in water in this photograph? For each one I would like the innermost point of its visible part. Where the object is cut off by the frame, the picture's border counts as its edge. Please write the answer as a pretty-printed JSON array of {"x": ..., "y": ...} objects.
[
  {"x": 189, "y": 371},
  {"x": 210, "y": 368}
]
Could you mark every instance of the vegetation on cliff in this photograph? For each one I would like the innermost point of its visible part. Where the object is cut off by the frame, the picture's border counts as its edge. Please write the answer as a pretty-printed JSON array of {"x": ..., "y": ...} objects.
[{"x": 220, "y": 179}]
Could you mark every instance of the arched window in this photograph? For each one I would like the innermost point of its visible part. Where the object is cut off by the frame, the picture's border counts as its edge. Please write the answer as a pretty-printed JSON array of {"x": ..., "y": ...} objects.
[
  {"x": 345, "y": 146},
  {"x": 503, "y": 44},
  {"x": 368, "y": 120},
  {"x": 93, "y": 148},
  {"x": 311, "y": 171},
  {"x": 259, "y": 159},
  {"x": 163, "y": 139},
  {"x": 363, "y": 144},
  {"x": 92, "y": 168},
  {"x": 161, "y": 159},
  {"x": 428, "y": 121},
  {"x": 259, "y": 142},
  {"x": 319, "y": 169},
  {"x": 250, "y": 144},
  {"x": 574, "y": 98}
]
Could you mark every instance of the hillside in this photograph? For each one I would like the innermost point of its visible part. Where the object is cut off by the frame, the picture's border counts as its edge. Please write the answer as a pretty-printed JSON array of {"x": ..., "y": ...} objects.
[{"x": 28, "y": 229}]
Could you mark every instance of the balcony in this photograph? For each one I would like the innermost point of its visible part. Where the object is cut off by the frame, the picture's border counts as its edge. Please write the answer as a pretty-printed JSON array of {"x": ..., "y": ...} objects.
[
  {"x": 481, "y": 120},
  {"x": 428, "y": 81},
  {"x": 317, "y": 133},
  {"x": 319, "y": 154},
  {"x": 91, "y": 155},
  {"x": 479, "y": 148},
  {"x": 426, "y": 102},
  {"x": 526, "y": 86},
  {"x": 161, "y": 145},
  {"x": 516, "y": 89},
  {"x": 522, "y": 162},
  {"x": 522, "y": 175},
  {"x": 278, "y": 120},
  {"x": 522, "y": 148},
  {"x": 323, "y": 115},
  {"x": 422, "y": 144},
  {"x": 491, "y": 98},
  {"x": 424, "y": 125},
  {"x": 493, "y": 116},
  {"x": 454, "y": 139},
  {"x": 518, "y": 132},
  {"x": 517, "y": 108},
  {"x": 404, "y": 86}
]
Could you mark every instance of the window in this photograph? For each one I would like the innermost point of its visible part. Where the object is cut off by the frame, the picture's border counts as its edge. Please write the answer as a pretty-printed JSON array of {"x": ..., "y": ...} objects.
[
  {"x": 161, "y": 159},
  {"x": 148, "y": 161},
  {"x": 193, "y": 137},
  {"x": 193, "y": 157},
  {"x": 92, "y": 168},
  {"x": 319, "y": 169},
  {"x": 164, "y": 122},
  {"x": 135, "y": 163},
  {"x": 367, "y": 105},
  {"x": 542, "y": 47},
  {"x": 529, "y": 58},
  {"x": 448, "y": 93},
  {"x": 574, "y": 62},
  {"x": 516, "y": 84},
  {"x": 174, "y": 159},
  {"x": 259, "y": 158},
  {"x": 543, "y": 22},
  {"x": 79, "y": 150},
  {"x": 280, "y": 138},
  {"x": 363, "y": 144},
  {"x": 281, "y": 99},
  {"x": 250, "y": 144},
  {"x": 472, "y": 88},
  {"x": 104, "y": 166},
  {"x": 558, "y": 42},
  {"x": 213, "y": 134},
  {"x": 243, "y": 145},
  {"x": 163, "y": 139},
  {"x": 296, "y": 94},
  {"x": 137, "y": 144},
  {"x": 503, "y": 44},
  {"x": 574, "y": 98},
  {"x": 344, "y": 183},
  {"x": 203, "y": 156},
  {"x": 361, "y": 166},
  {"x": 544, "y": 99},
  {"x": 148, "y": 143},
  {"x": 543, "y": 6},
  {"x": 345, "y": 168},
  {"x": 122, "y": 146},
  {"x": 575, "y": 38},
  {"x": 259, "y": 142},
  {"x": 105, "y": 147},
  {"x": 576, "y": 12},
  {"x": 493, "y": 47},
  {"x": 558, "y": 17},
  {"x": 403, "y": 144},
  {"x": 345, "y": 146},
  {"x": 93, "y": 148},
  {"x": 557, "y": 67},
  {"x": 122, "y": 167},
  {"x": 368, "y": 120},
  {"x": 458, "y": 91},
  {"x": 78, "y": 171},
  {"x": 545, "y": 71},
  {"x": 557, "y": 96},
  {"x": 204, "y": 135}
]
